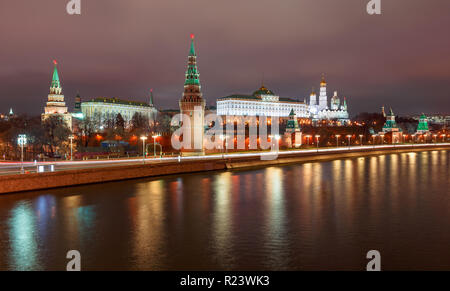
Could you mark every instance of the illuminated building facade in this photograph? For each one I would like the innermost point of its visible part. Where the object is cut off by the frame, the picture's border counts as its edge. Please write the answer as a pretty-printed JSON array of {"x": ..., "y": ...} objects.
[
  {"x": 321, "y": 111},
  {"x": 262, "y": 102},
  {"x": 103, "y": 109}
]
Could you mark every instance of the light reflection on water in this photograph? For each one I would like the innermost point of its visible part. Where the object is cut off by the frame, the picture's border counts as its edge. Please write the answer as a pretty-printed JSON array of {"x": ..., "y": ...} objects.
[{"x": 307, "y": 216}]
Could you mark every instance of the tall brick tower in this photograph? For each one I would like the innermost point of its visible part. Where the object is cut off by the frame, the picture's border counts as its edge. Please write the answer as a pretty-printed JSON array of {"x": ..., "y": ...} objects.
[{"x": 192, "y": 105}]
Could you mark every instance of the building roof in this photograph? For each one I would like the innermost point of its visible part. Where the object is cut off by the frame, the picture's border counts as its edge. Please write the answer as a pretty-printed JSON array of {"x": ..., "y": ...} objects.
[
  {"x": 118, "y": 101},
  {"x": 55, "y": 78},
  {"x": 257, "y": 96},
  {"x": 253, "y": 98},
  {"x": 263, "y": 91}
]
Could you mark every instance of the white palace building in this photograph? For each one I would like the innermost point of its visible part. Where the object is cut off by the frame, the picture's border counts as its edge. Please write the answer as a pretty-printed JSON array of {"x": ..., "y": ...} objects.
[{"x": 264, "y": 102}]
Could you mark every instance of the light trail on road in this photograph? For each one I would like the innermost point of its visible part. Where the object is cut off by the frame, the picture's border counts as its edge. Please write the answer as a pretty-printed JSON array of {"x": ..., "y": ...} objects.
[{"x": 12, "y": 168}]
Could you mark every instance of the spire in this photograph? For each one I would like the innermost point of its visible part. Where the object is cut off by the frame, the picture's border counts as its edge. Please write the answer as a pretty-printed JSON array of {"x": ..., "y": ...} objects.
[
  {"x": 192, "y": 50},
  {"x": 11, "y": 112},
  {"x": 313, "y": 92},
  {"x": 151, "y": 97},
  {"x": 55, "y": 79},
  {"x": 55, "y": 87},
  {"x": 192, "y": 74},
  {"x": 391, "y": 113}
]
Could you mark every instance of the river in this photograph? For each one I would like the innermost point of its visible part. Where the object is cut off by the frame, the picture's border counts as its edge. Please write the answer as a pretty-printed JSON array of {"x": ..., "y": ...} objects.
[{"x": 310, "y": 216}]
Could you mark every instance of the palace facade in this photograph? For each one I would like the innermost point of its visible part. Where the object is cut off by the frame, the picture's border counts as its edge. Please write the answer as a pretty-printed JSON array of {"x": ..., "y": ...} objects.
[
  {"x": 103, "y": 109},
  {"x": 264, "y": 102}
]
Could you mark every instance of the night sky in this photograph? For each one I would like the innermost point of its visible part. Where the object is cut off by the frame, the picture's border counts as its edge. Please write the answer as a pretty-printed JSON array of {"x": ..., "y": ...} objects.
[{"x": 122, "y": 48}]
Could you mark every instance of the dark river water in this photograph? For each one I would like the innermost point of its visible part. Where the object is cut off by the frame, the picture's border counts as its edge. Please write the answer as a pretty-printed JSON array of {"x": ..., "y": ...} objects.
[{"x": 311, "y": 216}]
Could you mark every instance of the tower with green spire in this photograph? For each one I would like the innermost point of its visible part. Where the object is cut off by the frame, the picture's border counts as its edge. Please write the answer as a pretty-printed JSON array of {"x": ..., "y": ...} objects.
[
  {"x": 55, "y": 100},
  {"x": 292, "y": 123},
  {"x": 292, "y": 127},
  {"x": 390, "y": 124},
  {"x": 192, "y": 105},
  {"x": 391, "y": 127},
  {"x": 55, "y": 86},
  {"x": 422, "y": 128}
]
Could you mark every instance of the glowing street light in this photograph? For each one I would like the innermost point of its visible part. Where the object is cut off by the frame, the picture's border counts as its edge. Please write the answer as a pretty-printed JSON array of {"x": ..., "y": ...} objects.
[
  {"x": 143, "y": 138},
  {"x": 21, "y": 141},
  {"x": 435, "y": 140},
  {"x": 71, "y": 137},
  {"x": 154, "y": 143},
  {"x": 337, "y": 139},
  {"x": 317, "y": 140},
  {"x": 443, "y": 137},
  {"x": 349, "y": 139},
  {"x": 360, "y": 139},
  {"x": 382, "y": 139}
]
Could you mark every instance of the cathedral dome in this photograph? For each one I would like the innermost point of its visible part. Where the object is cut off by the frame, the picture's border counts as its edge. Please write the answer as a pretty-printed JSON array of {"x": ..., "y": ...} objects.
[
  {"x": 263, "y": 91},
  {"x": 322, "y": 82}
]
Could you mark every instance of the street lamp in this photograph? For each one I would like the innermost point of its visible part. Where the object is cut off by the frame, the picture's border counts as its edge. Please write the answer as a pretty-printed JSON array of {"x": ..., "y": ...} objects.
[
  {"x": 317, "y": 140},
  {"x": 337, "y": 139},
  {"x": 349, "y": 139},
  {"x": 382, "y": 139},
  {"x": 143, "y": 138},
  {"x": 360, "y": 139},
  {"x": 22, "y": 141},
  {"x": 443, "y": 137},
  {"x": 435, "y": 140},
  {"x": 154, "y": 143},
  {"x": 71, "y": 137}
]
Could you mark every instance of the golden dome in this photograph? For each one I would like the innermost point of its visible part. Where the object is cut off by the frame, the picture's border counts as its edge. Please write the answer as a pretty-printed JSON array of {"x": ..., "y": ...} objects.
[{"x": 323, "y": 83}]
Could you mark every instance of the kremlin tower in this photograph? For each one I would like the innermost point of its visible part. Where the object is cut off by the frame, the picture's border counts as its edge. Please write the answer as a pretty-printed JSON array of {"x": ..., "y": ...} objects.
[
  {"x": 422, "y": 128},
  {"x": 192, "y": 105},
  {"x": 323, "y": 98},
  {"x": 55, "y": 100},
  {"x": 391, "y": 127}
]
